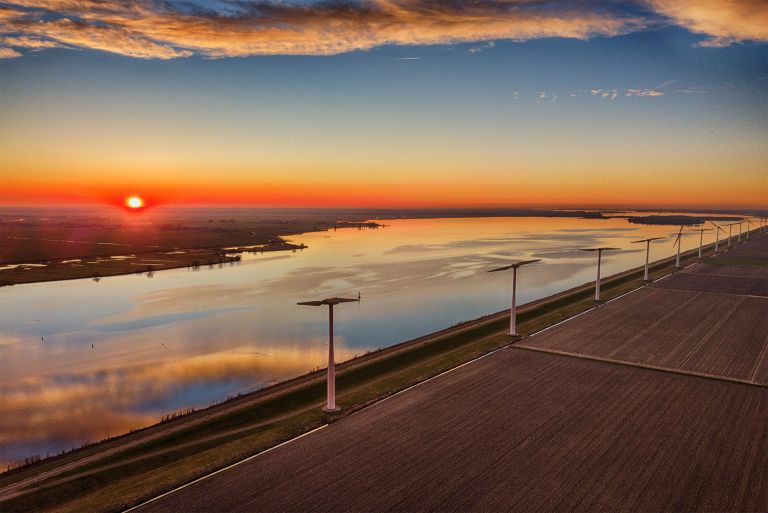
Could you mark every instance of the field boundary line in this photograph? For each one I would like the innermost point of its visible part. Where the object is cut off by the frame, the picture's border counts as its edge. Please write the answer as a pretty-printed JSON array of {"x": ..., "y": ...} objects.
[
  {"x": 625, "y": 363},
  {"x": 713, "y": 292}
]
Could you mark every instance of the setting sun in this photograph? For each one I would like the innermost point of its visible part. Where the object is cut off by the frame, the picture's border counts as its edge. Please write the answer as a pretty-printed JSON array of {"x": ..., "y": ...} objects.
[{"x": 134, "y": 202}]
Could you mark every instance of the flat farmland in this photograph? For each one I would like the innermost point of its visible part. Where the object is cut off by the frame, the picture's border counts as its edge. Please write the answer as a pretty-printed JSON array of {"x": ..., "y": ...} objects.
[
  {"x": 719, "y": 335},
  {"x": 518, "y": 431},
  {"x": 721, "y": 283},
  {"x": 752, "y": 252},
  {"x": 741, "y": 271}
]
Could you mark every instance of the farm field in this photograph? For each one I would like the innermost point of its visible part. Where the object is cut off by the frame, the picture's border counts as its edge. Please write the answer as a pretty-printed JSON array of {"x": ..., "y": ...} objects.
[
  {"x": 694, "y": 321},
  {"x": 754, "y": 253},
  {"x": 729, "y": 270},
  {"x": 719, "y": 283},
  {"x": 518, "y": 431}
]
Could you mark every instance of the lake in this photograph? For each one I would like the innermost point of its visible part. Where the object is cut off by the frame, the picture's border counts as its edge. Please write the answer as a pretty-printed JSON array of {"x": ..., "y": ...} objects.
[{"x": 82, "y": 360}]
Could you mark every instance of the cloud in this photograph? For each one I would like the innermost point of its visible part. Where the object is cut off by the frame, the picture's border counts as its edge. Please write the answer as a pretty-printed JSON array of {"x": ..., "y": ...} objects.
[
  {"x": 724, "y": 21},
  {"x": 162, "y": 30},
  {"x": 478, "y": 49},
  {"x": 610, "y": 94},
  {"x": 154, "y": 29},
  {"x": 8, "y": 53},
  {"x": 643, "y": 92}
]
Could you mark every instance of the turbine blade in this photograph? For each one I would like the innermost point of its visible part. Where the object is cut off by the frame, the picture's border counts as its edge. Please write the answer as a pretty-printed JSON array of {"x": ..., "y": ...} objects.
[{"x": 337, "y": 300}]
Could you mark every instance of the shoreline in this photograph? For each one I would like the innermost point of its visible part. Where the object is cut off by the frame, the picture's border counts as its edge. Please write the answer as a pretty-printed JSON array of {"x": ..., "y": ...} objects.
[{"x": 98, "y": 266}]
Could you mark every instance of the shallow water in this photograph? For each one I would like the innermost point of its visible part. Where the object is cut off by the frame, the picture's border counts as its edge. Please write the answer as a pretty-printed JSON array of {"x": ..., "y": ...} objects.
[{"x": 81, "y": 360}]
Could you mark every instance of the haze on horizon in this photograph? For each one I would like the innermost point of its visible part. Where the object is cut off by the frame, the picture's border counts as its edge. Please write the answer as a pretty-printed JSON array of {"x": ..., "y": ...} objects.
[{"x": 385, "y": 103}]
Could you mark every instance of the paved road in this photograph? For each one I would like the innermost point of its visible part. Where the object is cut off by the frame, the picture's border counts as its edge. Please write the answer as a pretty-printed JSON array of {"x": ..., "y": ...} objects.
[{"x": 526, "y": 430}]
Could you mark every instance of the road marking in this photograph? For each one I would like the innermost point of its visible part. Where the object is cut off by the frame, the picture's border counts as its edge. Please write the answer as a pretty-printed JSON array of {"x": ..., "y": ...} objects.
[
  {"x": 224, "y": 469},
  {"x": 662, "y": 278}
]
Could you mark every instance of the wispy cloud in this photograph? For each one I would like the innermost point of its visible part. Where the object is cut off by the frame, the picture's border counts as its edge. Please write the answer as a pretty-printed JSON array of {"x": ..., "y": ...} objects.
[
  {"x": 643, "y": 92},
  {"x": 483, "y": 47},
  {"x": 610, "y": 94}
]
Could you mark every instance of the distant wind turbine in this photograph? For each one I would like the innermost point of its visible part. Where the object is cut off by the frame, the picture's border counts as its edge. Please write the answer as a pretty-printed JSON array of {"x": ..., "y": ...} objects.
[
  {"x": 513, "y": 309},
  {"x": 330, "y": 404},
  {"x": 599, "y": 259},
  {"x": 717, "y": 235},
  {"x": 647, "y": 253},
  {"x": 701, "y": 240},
  {"x": 677, "y": 243}
]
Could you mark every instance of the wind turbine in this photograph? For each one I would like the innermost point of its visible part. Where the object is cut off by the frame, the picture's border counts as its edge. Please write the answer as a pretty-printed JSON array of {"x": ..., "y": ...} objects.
[
  {"x": 717, "y": 235},
  {"x": 677, "y": 243},
  {"x": 701, "y": 239},
  {"x": 330, "y": 404},
  {"x": 513, "y": 309},
  {"x": 599, "y": 259},
  {"x": 749, "y": 223},
  {"x": 647, "y": 253}
]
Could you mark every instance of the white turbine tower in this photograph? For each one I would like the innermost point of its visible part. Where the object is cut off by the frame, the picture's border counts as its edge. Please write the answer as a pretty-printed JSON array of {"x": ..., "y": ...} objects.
[
  {"x": 717, "y": 235},
  {"x": 701, "y": 240},
  {"x": 330, "y": 404},
  {"x": 513, "y": 309},
  {"x": 599, "y": 259},
  {"x": 677, "y": 243},
  {"x": 647, "y": 253}
]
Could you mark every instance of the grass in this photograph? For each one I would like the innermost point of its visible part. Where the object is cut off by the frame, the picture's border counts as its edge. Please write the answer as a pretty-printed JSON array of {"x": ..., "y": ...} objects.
[{"x": 186, "y": 457}]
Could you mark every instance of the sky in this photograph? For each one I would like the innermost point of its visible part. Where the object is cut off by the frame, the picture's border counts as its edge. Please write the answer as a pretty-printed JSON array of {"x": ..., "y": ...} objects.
[{"x": 385, "y": 103}]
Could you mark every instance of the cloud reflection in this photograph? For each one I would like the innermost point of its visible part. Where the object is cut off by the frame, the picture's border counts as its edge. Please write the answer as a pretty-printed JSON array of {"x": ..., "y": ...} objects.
[{"x": 65, "y": 410}]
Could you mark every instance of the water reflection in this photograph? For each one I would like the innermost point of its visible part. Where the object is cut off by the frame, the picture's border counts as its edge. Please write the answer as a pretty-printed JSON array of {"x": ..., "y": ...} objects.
[{"x": 81, "y": 360}]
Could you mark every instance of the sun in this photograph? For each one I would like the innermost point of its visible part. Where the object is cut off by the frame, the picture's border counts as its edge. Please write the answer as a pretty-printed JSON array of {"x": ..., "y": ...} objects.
[{"x": 134, "y": 202}]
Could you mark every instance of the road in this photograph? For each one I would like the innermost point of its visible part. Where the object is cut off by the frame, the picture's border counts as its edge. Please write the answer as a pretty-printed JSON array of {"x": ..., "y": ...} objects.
[{"x": 654, "y": 402}]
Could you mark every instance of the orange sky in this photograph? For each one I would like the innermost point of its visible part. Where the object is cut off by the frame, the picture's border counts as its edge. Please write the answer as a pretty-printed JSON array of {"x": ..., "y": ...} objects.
[{"x": 656, "y": 104}]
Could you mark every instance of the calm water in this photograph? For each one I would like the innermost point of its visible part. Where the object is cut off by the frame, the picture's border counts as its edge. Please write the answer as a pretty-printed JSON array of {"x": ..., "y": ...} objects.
[{"x": 81, "y": 360}]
